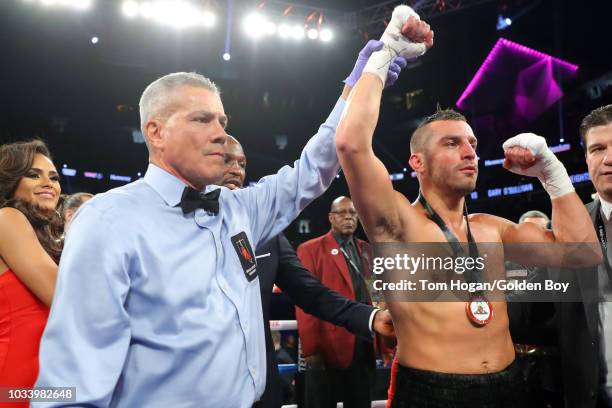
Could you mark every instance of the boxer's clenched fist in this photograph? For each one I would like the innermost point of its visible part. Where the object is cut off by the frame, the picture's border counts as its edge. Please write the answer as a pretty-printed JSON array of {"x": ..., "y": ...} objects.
[
  {"x": 527, "y": 154},
  {"x": 406, "y": 36}
]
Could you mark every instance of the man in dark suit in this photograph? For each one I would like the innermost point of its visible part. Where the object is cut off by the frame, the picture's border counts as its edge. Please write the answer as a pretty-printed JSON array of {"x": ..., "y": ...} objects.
[
  {"x": 277, "y": 263},
  {"x": 585, "y": 329},
  {"x": 341, "y": 365},
  {"x": 584, "y": 324},
  {"x": 584, "y": 332}
]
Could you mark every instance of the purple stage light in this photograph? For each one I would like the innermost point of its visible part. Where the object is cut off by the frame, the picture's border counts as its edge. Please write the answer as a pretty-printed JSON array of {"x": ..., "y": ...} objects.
[
  {"x": 536, "y": 90},
  {"x": 519, "y": 77}
]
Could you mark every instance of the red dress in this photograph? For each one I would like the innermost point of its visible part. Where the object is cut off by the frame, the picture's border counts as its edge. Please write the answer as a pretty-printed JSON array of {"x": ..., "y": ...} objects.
[{"x": 22, "y": 321}]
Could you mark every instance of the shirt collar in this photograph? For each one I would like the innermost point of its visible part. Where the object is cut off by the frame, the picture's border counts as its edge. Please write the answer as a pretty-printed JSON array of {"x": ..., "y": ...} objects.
[
  {"x": 342, "y": 239},
  {"x": 606, "y": 208},
  {"x": 166, "y": 185}
]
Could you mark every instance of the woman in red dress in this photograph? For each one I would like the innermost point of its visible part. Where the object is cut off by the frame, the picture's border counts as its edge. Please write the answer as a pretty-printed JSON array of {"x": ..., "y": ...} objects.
[{"x": 30, "y": 246}]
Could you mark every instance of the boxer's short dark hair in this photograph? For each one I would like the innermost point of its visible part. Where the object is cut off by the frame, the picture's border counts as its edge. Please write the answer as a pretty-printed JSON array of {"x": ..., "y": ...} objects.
[
  {"x": 418, "y": 139},
  {"x": 442, "y": 114}
]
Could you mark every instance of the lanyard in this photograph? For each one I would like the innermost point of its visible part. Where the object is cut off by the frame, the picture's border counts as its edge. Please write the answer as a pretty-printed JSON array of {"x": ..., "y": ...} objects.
[
  {"x": 470, "y": 275},
  {"x": 603, "y": 239},
  {"x": 348, "y": 258},
  {"x": 601, "y": 230}
]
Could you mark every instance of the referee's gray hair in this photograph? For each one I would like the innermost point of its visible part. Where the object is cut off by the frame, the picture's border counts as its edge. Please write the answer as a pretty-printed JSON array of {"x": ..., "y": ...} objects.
[
  {"x": 534, "y": 214},
  {"x": 156, "y": 98}
]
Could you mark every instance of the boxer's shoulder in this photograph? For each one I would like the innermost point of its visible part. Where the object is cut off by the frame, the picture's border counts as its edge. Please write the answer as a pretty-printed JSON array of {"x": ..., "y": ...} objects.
[{"x": 488, "y": 227}]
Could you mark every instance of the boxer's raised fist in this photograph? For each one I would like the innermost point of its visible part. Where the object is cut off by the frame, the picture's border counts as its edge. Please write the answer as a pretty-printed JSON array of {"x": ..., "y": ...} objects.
[{"x": 527, "y": 154}]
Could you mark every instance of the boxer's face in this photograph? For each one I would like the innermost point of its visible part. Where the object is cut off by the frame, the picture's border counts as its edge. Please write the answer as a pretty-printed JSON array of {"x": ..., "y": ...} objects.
[
  {"x": 235, "y": 165},
  {"x": 190, "y": 142},
  {"x": 450, "y": 159},
  {"x": 40, "y": 185},
  {"x": 599, "y": 159}
]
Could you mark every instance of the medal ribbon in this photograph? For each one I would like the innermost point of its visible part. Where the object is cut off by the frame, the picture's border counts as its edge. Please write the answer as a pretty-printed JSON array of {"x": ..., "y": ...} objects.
[{"x": 471, "y": 275}]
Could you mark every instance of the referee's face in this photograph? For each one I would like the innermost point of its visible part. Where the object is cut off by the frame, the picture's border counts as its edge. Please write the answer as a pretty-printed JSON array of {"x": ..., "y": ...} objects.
[{"x": 191, "y": 141}]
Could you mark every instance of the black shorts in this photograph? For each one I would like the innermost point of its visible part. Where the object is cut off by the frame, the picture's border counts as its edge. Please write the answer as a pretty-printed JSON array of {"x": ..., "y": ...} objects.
[{"x": 429, "y": 389}]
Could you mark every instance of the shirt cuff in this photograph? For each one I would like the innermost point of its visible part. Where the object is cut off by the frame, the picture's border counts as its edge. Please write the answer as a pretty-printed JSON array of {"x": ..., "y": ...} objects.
[
  {"x": 371, "y": 321},
  {"x": 336, "y": 114}
]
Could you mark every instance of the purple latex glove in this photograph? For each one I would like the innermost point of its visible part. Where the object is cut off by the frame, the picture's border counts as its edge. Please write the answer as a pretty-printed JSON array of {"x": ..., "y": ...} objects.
[{"x": 373, "y": 45}]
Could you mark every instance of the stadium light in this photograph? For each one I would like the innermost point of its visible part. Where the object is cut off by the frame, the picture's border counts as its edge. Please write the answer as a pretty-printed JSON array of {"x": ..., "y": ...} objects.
[
  {"x": 81, "y": 4},
  {"x": 75, "y": 4},
  {"x": 257, "y": 25},
  {"x": 270, "y": 28},
  {"x": 175, "y": 13},
  {"x": 326, "y": 35},
  {"x": 297, "y": 32},
  {"x": 254, "y": 25},
  {"x": 130, "y": 8},
  {"x": 208, "y": 19},
  {"x": 147, "y": 9},
  {"x": 284, "y": 30},
  {"x": 503, "y": 22},
  {"x": 312, "y": 33}
]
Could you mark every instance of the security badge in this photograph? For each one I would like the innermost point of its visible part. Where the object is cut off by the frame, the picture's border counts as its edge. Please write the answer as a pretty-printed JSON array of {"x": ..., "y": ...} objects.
[
  {"x": 246, "y": 255},
  {"x": 479, "y": 310}
]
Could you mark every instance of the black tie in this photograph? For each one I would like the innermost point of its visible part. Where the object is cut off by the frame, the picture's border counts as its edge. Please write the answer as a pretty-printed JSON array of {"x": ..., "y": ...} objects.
[{"x": 193, "y": 199}]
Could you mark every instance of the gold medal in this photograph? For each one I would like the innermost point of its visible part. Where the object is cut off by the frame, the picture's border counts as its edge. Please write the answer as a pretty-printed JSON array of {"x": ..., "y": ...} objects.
[{"x": 479, "y": 310}]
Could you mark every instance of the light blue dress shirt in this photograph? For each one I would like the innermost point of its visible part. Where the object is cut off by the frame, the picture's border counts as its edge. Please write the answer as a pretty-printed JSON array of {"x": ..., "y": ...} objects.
[{"x": 152, "y": 307}]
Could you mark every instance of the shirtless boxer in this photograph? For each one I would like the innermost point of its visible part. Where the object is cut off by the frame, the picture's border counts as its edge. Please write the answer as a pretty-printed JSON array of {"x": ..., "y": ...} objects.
[{"x": 447, "y": 359}]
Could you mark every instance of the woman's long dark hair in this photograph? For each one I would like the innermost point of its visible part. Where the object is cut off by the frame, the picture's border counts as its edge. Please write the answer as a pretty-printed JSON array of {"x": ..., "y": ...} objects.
[{"x": 15, "y": 161}]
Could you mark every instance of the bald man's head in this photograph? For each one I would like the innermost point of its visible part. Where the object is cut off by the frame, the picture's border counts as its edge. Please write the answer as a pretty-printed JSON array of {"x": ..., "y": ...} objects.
[
  {"x": 338, "y": 201},
  {"x": 235, "y": 164}
]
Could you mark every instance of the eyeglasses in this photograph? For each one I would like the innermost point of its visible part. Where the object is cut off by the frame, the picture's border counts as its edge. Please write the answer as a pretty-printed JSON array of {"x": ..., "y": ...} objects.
[{"x": 342, "y": 213}]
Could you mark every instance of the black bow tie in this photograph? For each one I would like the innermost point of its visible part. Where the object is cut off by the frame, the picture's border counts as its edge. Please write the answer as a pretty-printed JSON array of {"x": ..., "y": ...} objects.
[{"x": 193, "y": 199}]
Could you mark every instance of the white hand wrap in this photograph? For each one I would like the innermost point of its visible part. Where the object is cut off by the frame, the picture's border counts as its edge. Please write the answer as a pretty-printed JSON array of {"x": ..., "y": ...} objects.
[
  {"x": 395, "y": 44},
  {"x": 548, "y": 169}
]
